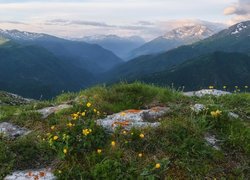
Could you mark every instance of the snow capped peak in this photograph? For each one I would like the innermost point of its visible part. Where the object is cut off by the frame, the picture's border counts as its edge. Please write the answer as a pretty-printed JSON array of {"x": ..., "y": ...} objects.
[
  {"x": 239, "y": 27},
  {"x": 20, "y": 35},
  {"x": 197, "y": 31}
]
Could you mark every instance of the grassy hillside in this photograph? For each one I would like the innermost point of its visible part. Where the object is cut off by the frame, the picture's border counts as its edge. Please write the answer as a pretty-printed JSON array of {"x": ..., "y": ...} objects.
[{"x": 175, "y": 150}]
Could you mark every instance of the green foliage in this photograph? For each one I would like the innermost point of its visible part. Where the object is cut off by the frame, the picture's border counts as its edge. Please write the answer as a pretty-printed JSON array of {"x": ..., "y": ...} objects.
[
  {"x": 129, "y": 96},
  {"x": 6, "y": 159},
  {"x": 79, "y": 134},
  {"x": 77, "y": 148},
  {"x": 31, "y": 151}
]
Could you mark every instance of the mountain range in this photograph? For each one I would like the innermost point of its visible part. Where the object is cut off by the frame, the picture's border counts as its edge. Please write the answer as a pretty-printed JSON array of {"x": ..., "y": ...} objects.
[
  {"x": 233, "y": 39},
  {"x": 41, "y": 66},
  {"x": 121, "y": 46},
  {"x": 173, "y": 39}
]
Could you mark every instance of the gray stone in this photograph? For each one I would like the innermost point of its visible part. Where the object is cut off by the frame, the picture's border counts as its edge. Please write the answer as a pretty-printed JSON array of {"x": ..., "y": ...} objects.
[
  {"x": 198, "y": 108},
  {"x": 233, "y": 115},
  {"x": 13, "y": 99},
  {"x": 51, "y": 110},
  {"x": 204, "y": 92},
  {"x": 212, "y": 141},
  {"x": 12, "y": 131},
  {"x": 40, "y": 174},
  {"x": 133, "y": 118}
]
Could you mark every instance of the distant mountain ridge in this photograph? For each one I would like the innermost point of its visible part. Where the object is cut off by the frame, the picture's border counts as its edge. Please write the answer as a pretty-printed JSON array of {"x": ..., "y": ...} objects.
[
  {"x": 144, "y": 66},
  {"x": 41, "y": 66},
  {"x": 88, "y": 56},
  {"x": 121, "y": 46},
  {"x": 217, "y": 69},
  {"x": 177, "y": 37}
]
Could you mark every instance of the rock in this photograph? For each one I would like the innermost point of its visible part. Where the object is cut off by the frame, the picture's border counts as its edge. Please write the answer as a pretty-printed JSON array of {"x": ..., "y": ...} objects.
[
  {"x": 204, "y": 92},
  {"x": 41, "y": 174},
  {"x": 212, "y": 141},
  {"x": 12, "y": 131},
  {"x": 198, "y": 108},
  {"x": 133, "y": 118},
  {"x": 13, "y": 99},
  {"x": 233, "y": 115},
  {"x": 51, "y": 110}
]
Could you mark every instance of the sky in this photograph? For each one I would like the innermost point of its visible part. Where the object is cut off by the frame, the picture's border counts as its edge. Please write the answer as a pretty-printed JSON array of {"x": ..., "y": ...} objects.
[{"x": 147, "y": 18}]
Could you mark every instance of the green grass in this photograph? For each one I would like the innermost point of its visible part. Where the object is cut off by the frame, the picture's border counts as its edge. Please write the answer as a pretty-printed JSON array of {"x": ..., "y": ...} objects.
[{"x": 178, "y": 144}]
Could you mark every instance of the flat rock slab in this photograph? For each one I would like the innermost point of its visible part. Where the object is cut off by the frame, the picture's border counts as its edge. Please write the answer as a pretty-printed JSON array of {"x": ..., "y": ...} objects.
[
  {"x": 233, "y": 115},
  {"x": 51, "y": 110},
  {"x": 41, "y": 174},
  {"x": 212, "y": 141},
  {"x": 12, "y": 131},
  {"x": 203, "y": 92},
  {"x": 198, "y": 108},
  {"x": 133, "y": 118}
]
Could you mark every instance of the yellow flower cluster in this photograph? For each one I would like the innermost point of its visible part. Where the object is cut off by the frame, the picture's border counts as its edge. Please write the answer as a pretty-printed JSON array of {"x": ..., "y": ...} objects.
[
  {"x": 216, "y": 113},
  {"x": 86, "y": 132}
]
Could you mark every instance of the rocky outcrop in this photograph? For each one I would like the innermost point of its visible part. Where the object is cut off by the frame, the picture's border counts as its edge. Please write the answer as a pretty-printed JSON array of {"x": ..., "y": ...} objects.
[
  {"x": 46, "y": 112},
  {"x": 133, "y": 118},
  {"x": 41, "y": 174},
  {"x": 204, "y": 92},
  {"x": 13, "y": 99},
  {"x": 12, "y": 131}
]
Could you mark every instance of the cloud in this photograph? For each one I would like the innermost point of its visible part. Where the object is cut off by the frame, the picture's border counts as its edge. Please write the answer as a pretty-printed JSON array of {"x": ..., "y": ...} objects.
[
  {"x": 13, "y": 22},
  {"x": 239, "y": 10},
  {"x": 64, "y": 22}
]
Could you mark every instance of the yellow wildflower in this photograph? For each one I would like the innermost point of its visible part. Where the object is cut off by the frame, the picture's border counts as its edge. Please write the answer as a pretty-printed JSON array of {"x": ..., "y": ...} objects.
[
  {"x": 216, "y": 113},
  {"x": 140, "y": 155},
  {"x": 86, "y": 131},
  {"x": 95, "y": 110},
  {"x": 224, "y": 87},
  {"x": 88, "y": 104},
  {"x": 52, "y": 127},
  {"x": 113, "y": 143},
  {"x": 142, "y": 135},
  {"x": 99, "y": 151},
  {"x": 211, "y": 87},
  {"x": 65, "y": 150},
  {"x": 55, "y": 138},
  {"x": 158, "y": 165},
  {"x": 83, "y": 113},
  {"x": 124, "y": 132},
  {"x": 70, "y": 124}
]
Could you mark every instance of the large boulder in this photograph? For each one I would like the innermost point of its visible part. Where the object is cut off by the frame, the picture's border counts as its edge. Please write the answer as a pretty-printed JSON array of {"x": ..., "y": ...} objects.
[
  {"x": 133, "y": 118},
  {"x": 12, "y": 131}
]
